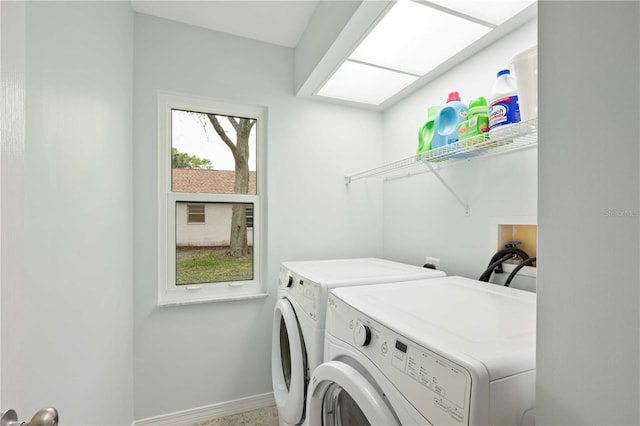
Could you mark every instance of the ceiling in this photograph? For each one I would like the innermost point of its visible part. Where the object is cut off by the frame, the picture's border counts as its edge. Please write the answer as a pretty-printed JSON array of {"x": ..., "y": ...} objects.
[
  {"x": 280, "y": 22},
  {"x": 333, "y": 28}
]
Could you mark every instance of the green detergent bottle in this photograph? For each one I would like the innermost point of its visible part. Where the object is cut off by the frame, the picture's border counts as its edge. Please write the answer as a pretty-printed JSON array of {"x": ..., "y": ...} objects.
[
  {"x": 477, "y": 123},
  {"x": 425, "y": 134}
]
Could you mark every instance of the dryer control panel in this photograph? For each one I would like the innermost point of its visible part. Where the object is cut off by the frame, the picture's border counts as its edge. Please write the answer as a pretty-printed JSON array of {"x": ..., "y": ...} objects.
[{"x": 436, "y": 386}]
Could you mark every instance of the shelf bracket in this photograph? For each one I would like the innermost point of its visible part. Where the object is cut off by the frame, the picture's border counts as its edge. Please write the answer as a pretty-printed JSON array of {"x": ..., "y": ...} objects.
[{"x": 449, "y": 188}]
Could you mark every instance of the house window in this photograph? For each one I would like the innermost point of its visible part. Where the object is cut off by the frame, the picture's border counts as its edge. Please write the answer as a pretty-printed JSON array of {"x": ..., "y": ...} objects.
[
  {"x": 209, "y": 157},
  {"x": 195, "y": 213},
  {"x": 249, "y": 216}
]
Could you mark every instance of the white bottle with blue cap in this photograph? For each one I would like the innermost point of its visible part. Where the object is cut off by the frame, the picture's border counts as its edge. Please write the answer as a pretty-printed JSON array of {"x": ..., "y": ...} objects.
[{"x": 504, "y": 108}]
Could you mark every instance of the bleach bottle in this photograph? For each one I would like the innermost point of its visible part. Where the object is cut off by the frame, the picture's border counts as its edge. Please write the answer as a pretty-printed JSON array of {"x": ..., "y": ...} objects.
[
  {"x": 446, "y": 124},
  {"x": 504, "y": 108}
]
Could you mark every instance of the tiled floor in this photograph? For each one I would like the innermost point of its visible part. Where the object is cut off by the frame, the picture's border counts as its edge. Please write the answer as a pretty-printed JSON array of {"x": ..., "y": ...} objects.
[{"x": 263, "y": 417}]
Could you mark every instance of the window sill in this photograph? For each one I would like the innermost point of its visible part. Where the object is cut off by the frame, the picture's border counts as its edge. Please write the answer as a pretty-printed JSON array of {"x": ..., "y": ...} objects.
[{"x": 195, "y": 301}]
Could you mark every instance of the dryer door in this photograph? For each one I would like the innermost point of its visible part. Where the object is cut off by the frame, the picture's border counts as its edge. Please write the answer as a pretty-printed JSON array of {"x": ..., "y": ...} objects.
[
  {"x": 340, "y": 395},
  {"x": 288, "y": 364}
]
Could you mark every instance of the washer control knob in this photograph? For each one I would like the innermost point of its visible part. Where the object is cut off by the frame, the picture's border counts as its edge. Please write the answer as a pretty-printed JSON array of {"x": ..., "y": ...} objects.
[{"x": 362, "y": 334}]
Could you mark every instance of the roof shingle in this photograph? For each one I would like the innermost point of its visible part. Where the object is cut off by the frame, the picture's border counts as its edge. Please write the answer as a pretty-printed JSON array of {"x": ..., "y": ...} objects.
[{"x": 207, "y": 181}]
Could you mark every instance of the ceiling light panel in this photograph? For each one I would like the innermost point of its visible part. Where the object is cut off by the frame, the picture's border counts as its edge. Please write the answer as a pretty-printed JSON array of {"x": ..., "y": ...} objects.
[
  {"x": 492, "y": 11},
  {"x": 363, "y": 83},
  {"x": 415, "y": 38}
]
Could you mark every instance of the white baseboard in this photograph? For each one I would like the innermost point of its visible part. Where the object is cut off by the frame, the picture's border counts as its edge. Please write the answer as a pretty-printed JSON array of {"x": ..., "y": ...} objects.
[{"x": 202, "y": 414}]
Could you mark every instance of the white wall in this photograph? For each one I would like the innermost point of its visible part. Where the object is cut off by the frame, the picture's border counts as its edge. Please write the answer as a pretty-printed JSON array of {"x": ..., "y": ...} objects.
[
  {"x": 12, "y": 123},
  {"x": 213, "y": 232},
  {"x": 420, "y": 216},
  {"x": 67, "y": 269},
  {"x": 198, "y": 355},
  {"x": 589, "y": 213}
]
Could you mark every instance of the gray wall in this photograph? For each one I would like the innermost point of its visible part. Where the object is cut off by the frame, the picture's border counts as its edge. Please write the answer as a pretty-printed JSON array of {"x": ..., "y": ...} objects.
[
  {"x": 588, "y": 323},
  {"x": 67, "y": 186},
  {"x": 191, "y": 356}
]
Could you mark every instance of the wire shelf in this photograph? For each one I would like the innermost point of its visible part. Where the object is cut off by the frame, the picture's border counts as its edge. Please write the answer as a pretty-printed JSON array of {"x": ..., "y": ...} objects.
[{"x": 512, "y": 138}]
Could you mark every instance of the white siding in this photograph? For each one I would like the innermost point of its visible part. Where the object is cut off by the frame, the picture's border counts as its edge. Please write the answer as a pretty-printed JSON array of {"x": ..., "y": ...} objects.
[{"x": 214, "y": 232}]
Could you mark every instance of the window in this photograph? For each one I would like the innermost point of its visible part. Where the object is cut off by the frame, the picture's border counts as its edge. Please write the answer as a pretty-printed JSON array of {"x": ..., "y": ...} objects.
[
  {"x": 209, "y": 169},
  {"x": 195, "y": 213},
  {"x": 249, "y": 215}
]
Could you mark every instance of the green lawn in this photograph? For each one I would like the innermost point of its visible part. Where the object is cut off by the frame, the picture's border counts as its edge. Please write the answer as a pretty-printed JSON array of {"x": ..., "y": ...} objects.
[{"x": 213, "y": 266}]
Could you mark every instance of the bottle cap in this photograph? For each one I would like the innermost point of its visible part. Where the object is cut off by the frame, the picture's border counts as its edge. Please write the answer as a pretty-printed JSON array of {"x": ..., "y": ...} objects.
[
  {"x": 453, "y": 96},
  {"x": 503, "y": 72},
  {"x": 480, "y": 102}
]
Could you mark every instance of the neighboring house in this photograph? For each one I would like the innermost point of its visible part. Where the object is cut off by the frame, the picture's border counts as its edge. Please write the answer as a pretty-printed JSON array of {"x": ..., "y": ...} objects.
[{"x": 207, "y": 224}]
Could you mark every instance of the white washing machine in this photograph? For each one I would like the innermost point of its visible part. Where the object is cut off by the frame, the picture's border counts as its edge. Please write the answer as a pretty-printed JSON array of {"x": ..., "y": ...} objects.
[
  {"x": 445, "y": 351},
  {"x": 299, "y": 319}
]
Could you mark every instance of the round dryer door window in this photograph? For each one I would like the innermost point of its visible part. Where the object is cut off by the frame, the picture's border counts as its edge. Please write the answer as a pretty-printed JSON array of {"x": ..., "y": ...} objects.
[
  {"x": 340, "y": 395},
  {"x": 285, "y": 353},
  {"x": 339, "y": 408},
  {"x": 288, "y": 364}
]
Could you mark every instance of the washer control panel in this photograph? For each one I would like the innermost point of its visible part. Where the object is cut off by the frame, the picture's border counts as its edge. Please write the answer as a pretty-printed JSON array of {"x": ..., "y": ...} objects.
[
  {"x": 362, "y": 334},
  {"x": 305, "y": 292},
  {"x": 437, "y": 387}
]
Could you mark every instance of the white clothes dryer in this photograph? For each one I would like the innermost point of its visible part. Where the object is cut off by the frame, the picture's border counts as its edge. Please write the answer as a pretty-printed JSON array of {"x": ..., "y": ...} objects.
[
  {"x": 445, "y": 351},
  {"x": 299, "y": 319}
]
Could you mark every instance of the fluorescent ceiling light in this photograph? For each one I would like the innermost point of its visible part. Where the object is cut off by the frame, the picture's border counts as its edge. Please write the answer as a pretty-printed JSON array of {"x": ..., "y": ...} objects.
[
  {"x": 363, "y": 83},
  {"x": 492, "y": 11},
  {"x": 412, "y": 39},
  {"x": 415, "y": 38}
]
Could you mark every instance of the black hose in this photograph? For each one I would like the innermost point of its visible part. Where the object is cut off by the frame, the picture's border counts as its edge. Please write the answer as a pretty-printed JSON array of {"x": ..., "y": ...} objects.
[
  {"x": 487, "y": 272},
  {"x": 521, "y": 253},
  {"x": 497, "y": 259},
  {"x": 513, "y": 273}
]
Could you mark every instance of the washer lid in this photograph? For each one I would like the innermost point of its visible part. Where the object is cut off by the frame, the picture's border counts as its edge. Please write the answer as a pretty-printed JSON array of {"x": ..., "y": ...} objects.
[
  {"x": 358, "y": 271},
  {"x": 460, "y": 318}
]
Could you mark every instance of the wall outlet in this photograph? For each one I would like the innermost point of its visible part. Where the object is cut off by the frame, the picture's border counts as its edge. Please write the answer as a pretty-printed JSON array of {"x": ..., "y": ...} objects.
[{"x": 434, "y": 261}]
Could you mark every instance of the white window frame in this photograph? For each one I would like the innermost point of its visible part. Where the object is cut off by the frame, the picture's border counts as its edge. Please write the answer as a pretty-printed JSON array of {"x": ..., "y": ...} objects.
[{"x": 170, "y": 294}]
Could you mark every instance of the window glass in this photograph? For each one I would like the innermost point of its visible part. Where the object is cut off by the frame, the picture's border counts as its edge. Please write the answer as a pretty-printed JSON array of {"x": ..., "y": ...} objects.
[
  {"x": 249, "y": 215},
  {"x": 203, "y": 254},
  {"x": 212, "y": 153},
  {"x": 195, "y": 213}
]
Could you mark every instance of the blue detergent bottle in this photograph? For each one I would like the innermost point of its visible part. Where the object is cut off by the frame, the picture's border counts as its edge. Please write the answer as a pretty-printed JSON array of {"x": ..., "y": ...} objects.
[{"x": 446, "y": 124}]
